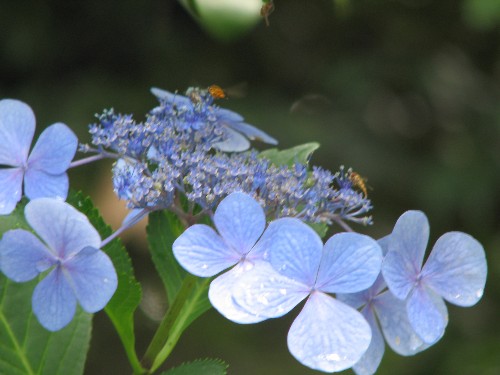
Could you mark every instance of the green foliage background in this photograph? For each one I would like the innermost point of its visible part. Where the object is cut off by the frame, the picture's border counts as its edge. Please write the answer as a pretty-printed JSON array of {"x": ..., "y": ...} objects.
[{"x": 405, "y": 92}]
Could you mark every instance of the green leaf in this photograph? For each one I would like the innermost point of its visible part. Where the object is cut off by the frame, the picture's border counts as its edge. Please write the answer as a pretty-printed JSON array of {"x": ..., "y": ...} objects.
[
  {"x": 26, "y": 348},
  {"x": 209, "y": 366},
  {"x": 163, "y": 229},
  {"x": 127, "y": 297},
  {"x": 298, "y": 154}
]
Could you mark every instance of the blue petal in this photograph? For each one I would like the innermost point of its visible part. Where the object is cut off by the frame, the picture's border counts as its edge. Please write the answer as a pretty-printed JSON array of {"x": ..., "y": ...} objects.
[
  {"x": 38, "y": 184},
  {"x": 265, "y": 293},
  {"x": 235, "y": 142},
  {"x": 54, "y": 149},
  {"x": 409, "y": 238},
  {"x": 240, "y": 221},
  {"x": 226, "y": 116},
  {"x": 456, "y": 269},
  {"x": 169, "y": 97},
  {"x": 54, "y": 303},
  {"x": 427, "y": 314},
  {"x": 359, "y": 299},
  {"x": 294, "y": 249},
  {"x": 92, "y": 277},
  {"x": 398, "y": 332},
  {"x": 369, "y": 362},
  {"x": 23, "y": 256},
  {"x": 11, "y": 184},
  {"x": 221, "y": 296},
  {"x": 64, "y": 229},
  {"x": 350, "y": 263},
  {"x": 202, "y": 252},
  {"x": 398, "y": 274},
  {"x": 17, "y": 126},
  {"x": 328, "y": 335},
  {"x": 253, "y": 133}
]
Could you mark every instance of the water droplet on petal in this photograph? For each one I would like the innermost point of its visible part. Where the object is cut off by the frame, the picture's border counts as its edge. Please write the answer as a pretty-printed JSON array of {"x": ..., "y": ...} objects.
[
  {"x": 479, "y": 293},
  {"x": 283, "y": 291},
  {"x": 204, "y": 266},
  {"x": 105, "y": 280}
]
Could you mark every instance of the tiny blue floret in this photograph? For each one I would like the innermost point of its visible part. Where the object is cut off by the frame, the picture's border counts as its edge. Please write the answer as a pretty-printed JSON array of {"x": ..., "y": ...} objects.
[{"x": 68, "y": 246}]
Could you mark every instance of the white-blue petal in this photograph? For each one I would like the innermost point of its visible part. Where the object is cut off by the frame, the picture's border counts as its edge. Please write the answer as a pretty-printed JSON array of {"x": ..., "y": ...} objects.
[
  {"x": 427, "y": 314},
  {"x": 63, "y": 228},
  {"x": 359, "y": 299},
  {"x": 169, "y": 97},
  {"x": 92, "y": 277},
  {"x": 398, "y": 274},
  {"x": 350, "y": 263},
  {"x": 328, "y": 335},
  {"x": 54, "y": 149},
  {"x": 235, "y": 142},
  {"x": 240, "y": 221},
  {"x": 253, "y": 133},
  {"x": 369, "y": 362},
  {"x": 409, "y": 238},
  {"x": 39, "y": 184},
  {"x": 220, "y": 295},
  {"x": 11, "y": 189},
  {"x": 456, "y": 269},
  {"x": 202, "y": 252},
  {"x": 398, "y": 332},
  {"x": 54, "y": 303},
  {"x": 265, "y": 293},
  {"x": 23, "y": 256},
  {"x": 294, "y": 249},
  {"x": 17, "y": 126}
]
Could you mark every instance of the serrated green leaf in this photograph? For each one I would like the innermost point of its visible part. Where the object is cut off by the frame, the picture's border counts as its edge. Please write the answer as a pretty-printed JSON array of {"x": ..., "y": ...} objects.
[
  {"x": 127, "y": 297},
  {"x": 163, "y": 229},
  {"x": 298, "y": 154},
  {"x": 26, "y": 348},
  {"x": 209, "y": 366}
]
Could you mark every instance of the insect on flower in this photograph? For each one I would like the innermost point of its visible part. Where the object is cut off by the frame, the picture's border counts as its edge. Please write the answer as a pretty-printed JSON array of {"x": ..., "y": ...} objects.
[
  {"x": 217, "y": 92},
  {"x": 359, "y": 182},
  {"x": 266, "y": 10}
]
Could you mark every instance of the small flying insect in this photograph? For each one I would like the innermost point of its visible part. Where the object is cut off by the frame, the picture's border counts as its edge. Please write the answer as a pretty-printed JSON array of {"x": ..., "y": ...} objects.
[
  {"x": 359, "y": 182},
  {"x": 217, "y": 92},
  {"x": 266, "y": 10}
]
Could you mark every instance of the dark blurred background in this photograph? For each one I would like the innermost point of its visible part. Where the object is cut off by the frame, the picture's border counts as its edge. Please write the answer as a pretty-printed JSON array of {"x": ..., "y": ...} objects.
[{"x": 406, "y": 92}]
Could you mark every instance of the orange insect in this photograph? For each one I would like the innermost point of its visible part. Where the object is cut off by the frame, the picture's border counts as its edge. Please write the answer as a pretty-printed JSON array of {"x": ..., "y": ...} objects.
[
  {"x": 266, "y": 10},
  {"x": 359, "y": 182},
  {"x": 217, "y": 92}
]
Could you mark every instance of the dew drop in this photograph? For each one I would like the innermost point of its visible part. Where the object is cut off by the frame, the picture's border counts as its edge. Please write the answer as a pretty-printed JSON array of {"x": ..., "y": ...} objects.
[
  {"x": 204, "y": 266},
  {"x": 332, "y": 357},
  {"x": 283, "y": 291},
  {"x": 479, "y": 293},
  {"x": 105, "y": 280}
]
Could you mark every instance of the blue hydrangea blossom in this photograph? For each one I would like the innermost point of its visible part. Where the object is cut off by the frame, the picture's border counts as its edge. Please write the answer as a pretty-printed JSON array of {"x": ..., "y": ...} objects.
[
  {"x": 68, "y": 245},
  {"x": 454, "y": 271},
  {"x": 237, "y": 133},
  {"x": 44, "y": 170},
  {"x": 327, "y": 335},
  {"x": 240, "y": 222},
  {"x": 386, "y": 315}
]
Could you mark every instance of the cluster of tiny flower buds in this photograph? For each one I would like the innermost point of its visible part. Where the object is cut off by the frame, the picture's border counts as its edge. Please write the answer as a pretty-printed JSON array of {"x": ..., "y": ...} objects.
[{"x": 188, "y": 145}]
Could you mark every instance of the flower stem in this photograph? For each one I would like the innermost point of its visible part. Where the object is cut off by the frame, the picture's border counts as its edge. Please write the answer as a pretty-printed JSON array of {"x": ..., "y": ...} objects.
[{"x": 175, "y": 321}]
